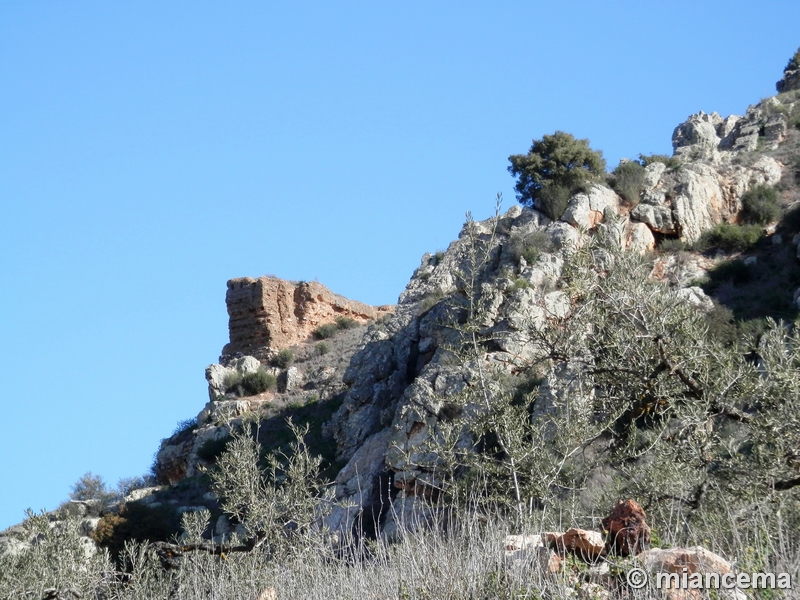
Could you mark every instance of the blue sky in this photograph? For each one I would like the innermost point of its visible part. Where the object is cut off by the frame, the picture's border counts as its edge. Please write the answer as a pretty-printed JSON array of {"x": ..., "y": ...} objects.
[{"x": 150, "y": 151}]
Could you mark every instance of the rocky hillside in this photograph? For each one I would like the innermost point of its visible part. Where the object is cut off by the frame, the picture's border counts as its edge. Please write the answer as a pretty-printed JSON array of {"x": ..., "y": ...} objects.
[
  {"x": 380, "y": 387},
  {"x": 403, "y": 380}
]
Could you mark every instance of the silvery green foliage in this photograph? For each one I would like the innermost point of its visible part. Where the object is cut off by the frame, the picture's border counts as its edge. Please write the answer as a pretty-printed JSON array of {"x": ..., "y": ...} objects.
[
  {"x": 279, "y": 505},
  {"x": 635, "y": 399},
  {"x": 58, "y": 558},
  {"x": 689, "y": 420}
]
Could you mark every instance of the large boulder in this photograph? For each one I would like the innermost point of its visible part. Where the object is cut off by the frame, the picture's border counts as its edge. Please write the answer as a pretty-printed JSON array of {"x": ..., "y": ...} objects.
[
  {"x": 586, "y": 210},
  {"x": 628, "y": 532},
  {"x": 639, "y": 238},
  {"x": 695, "y": 561},
  {"x": 697, "y": 136},
  {"x": 587, "y": 545}
]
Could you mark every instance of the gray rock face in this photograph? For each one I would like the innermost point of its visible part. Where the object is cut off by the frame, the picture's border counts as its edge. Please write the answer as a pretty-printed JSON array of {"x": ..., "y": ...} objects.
[
  {"x": 401, "y": 379},
  {"x": 697, "y": 135},
  {"x": 657, "y": 217},
  {"x": 587, "y": 210},
  {"x": 716, "y": 140},
  {"x": 699, "y": 195},
  {"x": 216, "y": 374}
]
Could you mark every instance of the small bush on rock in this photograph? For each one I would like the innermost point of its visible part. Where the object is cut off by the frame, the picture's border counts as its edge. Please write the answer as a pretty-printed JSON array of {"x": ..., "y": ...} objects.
[
  {"x": 250, "y": 384},
  {"x": 628, "y": 181},
  {"x": 90, "y": 487},
  {"x": 284, "y": 358},
  {"x": 184, "y": 426},
  {"x": 531, "y": 246},
  {"x": 325, "y": 331},
  {"x": 760, "y": 205},
  {"x": 730, "y": 238},
  {"x": 345, "y": 323},
  {"x": 260, "y": 381}
]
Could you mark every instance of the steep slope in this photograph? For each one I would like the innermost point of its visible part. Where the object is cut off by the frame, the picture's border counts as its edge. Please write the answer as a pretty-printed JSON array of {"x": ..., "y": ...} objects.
[
  {"x": 508, "y": 274},
  {"x": 482, "y": 320}
]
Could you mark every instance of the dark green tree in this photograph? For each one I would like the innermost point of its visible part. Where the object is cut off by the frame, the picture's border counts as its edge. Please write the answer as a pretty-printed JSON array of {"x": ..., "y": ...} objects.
[
  {"x": 794, "y": 62},
  {"x": 554, "y": 168}
]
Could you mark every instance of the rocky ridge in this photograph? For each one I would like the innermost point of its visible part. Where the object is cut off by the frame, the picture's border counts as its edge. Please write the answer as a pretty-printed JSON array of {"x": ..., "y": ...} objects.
[
  {"x": 400, "y": 380},
  {"x": 394, "y": 373},
  {"x": 267, "y": 315}
]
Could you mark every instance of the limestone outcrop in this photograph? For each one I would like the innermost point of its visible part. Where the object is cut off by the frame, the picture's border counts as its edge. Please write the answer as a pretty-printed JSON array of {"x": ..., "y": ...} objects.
[{"x": 399, "y": 381}]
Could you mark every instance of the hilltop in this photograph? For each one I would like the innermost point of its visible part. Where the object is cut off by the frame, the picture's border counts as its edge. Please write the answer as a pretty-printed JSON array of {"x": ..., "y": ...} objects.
[{"x": 638, "y": 344}]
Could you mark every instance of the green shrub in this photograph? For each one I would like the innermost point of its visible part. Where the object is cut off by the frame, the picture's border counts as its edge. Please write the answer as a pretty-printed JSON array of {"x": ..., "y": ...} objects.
[
  {"x": 250, "y": 384},
  {"x": 554, "y": 168},
  {"x": 671, "y": 245},
  {"x": 212, "y": 448},
  {"x": 136, "y": 521},
  {"x": 532, "y": 246},
  {"x": 232, "y": 380},
  {"x": 760, "y": 205},
  {"x": 325, "y": 331},
  {"x": 184, "y": 426},
  {"x": 721, "y": 324},
  {"x": 794, "y": 62},
  {"x": 322, "y": 349},
  {"x": 90, "y": 487},
  {"x": 260, "y": 381},
  {"x": 521, "y": 283},
  {"x": 553, "y": 199},
  {"x": 730, "y": 238},
  {"x": 628, "y": 181},
  {"x": 345, "y": 323},
  {"x": 284, "y": 358}
]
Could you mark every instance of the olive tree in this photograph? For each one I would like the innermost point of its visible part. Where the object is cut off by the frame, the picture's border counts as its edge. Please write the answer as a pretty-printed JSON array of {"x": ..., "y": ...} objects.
[{"x": 628, "y": 385}]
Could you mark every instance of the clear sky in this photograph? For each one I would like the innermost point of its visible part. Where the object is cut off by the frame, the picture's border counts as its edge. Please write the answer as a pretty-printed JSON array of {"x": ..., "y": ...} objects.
[{"x": 150, "y": 151}]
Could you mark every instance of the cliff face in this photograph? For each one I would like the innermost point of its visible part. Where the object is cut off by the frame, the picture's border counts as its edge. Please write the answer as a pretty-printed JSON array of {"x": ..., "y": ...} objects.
[
  {"x": 400, "y": 381},
  {"x": 268, "y": 314},
  {"x": 394, "y": 376}
]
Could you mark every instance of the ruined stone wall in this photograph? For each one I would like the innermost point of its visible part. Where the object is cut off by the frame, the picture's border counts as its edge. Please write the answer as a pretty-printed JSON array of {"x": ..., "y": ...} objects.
[{"x": 267, "y": 314}]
